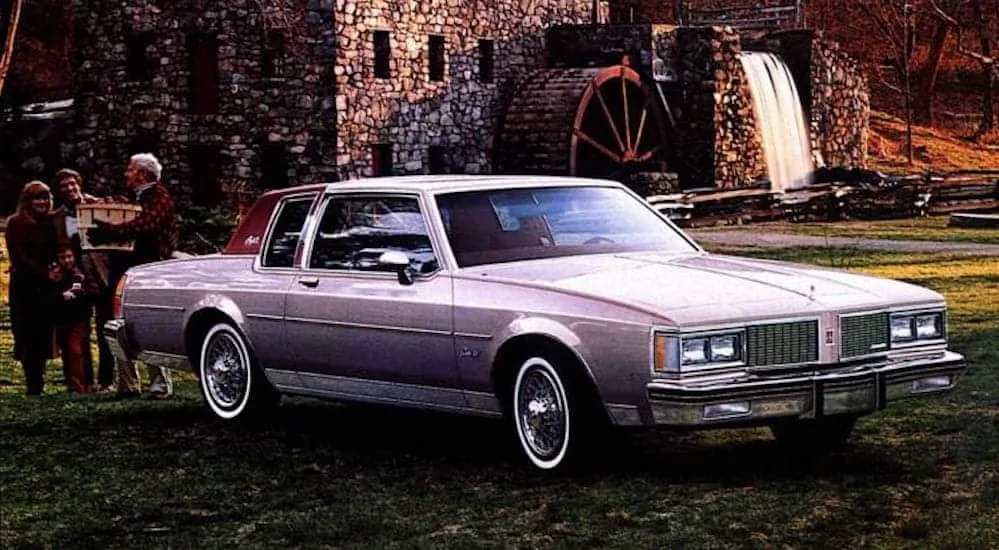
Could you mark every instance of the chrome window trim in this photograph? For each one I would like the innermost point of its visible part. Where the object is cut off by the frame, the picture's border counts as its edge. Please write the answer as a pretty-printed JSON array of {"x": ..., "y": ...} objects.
[{"x": 324, "y": 203}]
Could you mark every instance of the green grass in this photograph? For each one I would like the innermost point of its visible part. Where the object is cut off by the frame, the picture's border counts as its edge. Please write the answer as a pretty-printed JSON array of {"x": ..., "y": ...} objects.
[
  {"x": 933, "y": 228},
  {"x": 92, "y": 472}
]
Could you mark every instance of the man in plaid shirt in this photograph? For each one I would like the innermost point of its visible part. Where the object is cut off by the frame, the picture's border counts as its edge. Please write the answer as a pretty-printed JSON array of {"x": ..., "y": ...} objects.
[{"x": 154, "y": 231}]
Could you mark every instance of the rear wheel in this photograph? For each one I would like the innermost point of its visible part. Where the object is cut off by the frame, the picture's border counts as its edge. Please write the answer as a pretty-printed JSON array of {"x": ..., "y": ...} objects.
[
  {"x": 819, "y": 436},
  {"x": 230, "y": 380}
]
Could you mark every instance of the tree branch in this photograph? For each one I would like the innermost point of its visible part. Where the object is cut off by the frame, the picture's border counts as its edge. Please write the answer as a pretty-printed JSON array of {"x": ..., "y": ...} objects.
[{"x": 8, "y": 47}]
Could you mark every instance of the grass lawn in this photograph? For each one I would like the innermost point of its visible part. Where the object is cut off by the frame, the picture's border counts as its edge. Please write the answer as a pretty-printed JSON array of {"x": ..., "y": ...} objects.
[
  {"x": 93, "y": 472},
  {"x": 931, "y": 228}
]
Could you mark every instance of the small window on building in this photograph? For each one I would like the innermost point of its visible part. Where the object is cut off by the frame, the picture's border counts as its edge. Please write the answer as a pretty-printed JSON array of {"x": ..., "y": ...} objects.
[
  {"x": 381, "y": 159},
  {"x": 203, "y": 81},
  {"x": 438, "y": 162},
  {"x": 486, "y": 48},
  {"x": 139, "y": 65},
  {"x": 273, "y": 165},
  {"x": 204, "y": 165},
  {"x": 436, "y": 52},
  {"x": 383, "y": 53},
  {"x": 273, "y": 54}
]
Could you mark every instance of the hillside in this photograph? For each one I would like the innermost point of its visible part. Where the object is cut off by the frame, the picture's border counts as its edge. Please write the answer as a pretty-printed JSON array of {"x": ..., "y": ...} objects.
[{"x": 934, "y": 149}]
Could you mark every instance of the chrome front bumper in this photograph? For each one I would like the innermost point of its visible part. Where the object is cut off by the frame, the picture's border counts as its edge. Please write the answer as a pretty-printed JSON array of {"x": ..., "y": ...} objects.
[{"x": 754, "y": 399}]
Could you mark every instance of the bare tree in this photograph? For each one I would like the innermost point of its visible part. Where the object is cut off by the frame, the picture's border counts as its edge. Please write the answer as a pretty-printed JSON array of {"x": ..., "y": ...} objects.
[
  {"x": 907, "y": 26},
  {"x": 970, "y": 15}
]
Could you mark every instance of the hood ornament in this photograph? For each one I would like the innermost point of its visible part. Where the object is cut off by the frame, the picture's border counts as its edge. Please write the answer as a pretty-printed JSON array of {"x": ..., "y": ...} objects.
[{"x": 811, "y": 293}]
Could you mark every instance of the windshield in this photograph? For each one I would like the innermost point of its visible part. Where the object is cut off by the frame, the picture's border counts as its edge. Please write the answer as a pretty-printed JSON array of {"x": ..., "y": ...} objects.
[{"x": 524, "y": 224}]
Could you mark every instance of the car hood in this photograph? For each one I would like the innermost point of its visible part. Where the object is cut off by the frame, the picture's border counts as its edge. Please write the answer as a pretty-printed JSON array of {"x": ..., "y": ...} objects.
[{"x": 704, "y": 288}]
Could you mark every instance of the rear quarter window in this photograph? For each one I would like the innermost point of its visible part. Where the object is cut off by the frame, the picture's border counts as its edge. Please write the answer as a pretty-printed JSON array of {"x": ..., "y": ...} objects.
[{"x": 286, "y": 232}]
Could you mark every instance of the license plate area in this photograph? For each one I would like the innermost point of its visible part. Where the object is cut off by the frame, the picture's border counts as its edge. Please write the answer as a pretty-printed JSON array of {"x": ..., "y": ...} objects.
[{"x": 839, "y": 397}]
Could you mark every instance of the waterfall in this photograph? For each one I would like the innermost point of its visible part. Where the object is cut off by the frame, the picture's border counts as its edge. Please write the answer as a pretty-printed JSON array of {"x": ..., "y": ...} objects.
[{"x": 780, "y": 121}]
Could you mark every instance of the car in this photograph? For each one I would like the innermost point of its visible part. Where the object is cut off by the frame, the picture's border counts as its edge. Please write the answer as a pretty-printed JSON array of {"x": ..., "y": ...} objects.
[{"x": 563, "y": 305}]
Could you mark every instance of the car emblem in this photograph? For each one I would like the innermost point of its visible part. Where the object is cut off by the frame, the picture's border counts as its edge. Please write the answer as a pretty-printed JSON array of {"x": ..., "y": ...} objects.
[{"x": 811, "y": 293}]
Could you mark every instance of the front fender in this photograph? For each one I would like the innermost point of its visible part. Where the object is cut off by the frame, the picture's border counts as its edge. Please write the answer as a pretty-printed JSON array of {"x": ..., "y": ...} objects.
[{"x": 549, "y": 328}]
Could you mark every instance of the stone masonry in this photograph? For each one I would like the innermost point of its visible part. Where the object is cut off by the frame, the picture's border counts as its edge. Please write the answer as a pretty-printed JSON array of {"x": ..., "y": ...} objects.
[
  {"x": 245, "y": 95},
  {"x": 264, "y": 95},
  {"x": 454, "y": 117}
]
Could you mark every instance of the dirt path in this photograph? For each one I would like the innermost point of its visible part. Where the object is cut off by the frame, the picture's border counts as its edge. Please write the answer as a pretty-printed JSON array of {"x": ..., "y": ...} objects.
[{"x": 747, "y": 237}]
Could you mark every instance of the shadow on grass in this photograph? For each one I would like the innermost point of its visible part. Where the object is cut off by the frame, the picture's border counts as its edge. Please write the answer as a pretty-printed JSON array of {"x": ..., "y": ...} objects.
[{"x": 356, "y": 437}]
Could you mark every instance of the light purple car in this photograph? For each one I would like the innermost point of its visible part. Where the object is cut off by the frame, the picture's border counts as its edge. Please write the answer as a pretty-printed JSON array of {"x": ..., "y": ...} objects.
[{"x": 563, "y": 305}]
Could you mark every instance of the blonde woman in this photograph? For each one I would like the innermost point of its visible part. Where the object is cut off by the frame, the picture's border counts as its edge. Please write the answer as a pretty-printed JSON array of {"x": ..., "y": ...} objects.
[{"x": 31, "y": 244}]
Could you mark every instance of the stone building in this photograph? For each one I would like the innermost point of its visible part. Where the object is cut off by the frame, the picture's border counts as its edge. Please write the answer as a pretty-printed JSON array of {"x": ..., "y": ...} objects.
[{"x": 258, "y": 94}]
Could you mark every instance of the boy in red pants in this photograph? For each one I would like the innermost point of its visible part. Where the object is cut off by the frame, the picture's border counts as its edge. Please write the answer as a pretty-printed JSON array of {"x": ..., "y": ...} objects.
[{"x": 74, "y": 301}]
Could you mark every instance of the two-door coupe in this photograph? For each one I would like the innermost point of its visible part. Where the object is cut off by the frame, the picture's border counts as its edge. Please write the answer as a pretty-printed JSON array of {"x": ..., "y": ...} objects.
[{"x": 561, "y": 304}]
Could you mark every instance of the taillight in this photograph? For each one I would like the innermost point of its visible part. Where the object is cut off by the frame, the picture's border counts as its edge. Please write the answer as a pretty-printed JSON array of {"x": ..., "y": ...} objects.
[{"x": 116, "y": 303}]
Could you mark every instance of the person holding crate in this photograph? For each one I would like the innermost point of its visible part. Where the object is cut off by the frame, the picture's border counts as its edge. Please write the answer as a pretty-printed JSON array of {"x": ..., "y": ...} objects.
[
  {"x": 94, "y": 264},
  {"x": 154, "y": 232}
]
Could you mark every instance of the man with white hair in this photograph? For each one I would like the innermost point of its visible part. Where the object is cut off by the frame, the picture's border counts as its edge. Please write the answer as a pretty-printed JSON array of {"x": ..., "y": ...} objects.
[{"x": 154, "y": 231}]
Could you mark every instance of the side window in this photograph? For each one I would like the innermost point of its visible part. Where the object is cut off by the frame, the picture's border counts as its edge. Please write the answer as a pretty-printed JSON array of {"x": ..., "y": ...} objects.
[
  {"x": 355, "y": 231},
  {"x": 287, "y": 232}
]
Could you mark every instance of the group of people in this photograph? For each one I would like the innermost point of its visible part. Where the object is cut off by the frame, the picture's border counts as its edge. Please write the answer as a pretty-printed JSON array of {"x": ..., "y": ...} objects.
[{"x": 59, "y": 292}]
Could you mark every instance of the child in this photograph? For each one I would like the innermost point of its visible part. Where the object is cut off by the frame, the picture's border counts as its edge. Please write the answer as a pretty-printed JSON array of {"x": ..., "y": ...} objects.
[{"x": 74, "y": 299}]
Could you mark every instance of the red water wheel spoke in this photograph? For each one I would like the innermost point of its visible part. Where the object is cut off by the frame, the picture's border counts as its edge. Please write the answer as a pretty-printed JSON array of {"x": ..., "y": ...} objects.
[
  {"x": 647, "y": 155},
  {"x": 610, "y": 118},
  {"x": 627, "y": 115},
  {"x": 596, "y": 145},
  {"x": 641, "y": 126}
]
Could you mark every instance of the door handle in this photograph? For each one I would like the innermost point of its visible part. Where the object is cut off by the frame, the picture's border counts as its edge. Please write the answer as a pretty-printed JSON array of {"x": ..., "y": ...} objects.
[{"x": 311, "y": 282}]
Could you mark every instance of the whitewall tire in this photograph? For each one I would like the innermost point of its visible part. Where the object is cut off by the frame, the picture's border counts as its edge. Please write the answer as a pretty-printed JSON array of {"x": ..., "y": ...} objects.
[
  {"x": 542, "y": 414},
  {"x": 226, "y": 372}
]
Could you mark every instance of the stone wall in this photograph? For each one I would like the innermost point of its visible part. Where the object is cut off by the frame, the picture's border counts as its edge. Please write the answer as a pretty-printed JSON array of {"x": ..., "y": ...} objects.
[
  {"x": 457, "y": 116},
  {"x": 288, "y": 111},
  {"x": 716, "y": 127},
  {"x": 841, "y": 106}
]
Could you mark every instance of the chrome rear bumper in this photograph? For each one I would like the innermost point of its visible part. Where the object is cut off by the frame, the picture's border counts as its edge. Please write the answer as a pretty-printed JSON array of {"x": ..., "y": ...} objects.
[
  {"x": 115, "y": 333},
  {"x": 754, "y": 399}
]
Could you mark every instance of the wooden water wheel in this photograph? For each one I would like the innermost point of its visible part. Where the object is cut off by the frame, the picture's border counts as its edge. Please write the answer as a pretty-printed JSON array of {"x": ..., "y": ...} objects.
[{"x": 596, "y": 122}]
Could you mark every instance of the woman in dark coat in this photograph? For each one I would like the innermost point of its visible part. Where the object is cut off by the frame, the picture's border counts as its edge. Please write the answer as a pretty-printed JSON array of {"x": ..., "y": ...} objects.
[{"x": 31, "y": 244}]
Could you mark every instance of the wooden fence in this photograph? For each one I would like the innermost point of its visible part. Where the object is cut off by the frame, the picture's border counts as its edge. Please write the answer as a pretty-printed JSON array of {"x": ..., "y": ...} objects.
[{"x": 790, "y": 15}]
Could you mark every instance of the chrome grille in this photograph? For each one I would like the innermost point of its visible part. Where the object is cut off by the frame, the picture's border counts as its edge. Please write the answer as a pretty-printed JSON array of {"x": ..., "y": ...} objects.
[
  {"x": 861, "y": 335},
  {"x": 782, "y": 343}
]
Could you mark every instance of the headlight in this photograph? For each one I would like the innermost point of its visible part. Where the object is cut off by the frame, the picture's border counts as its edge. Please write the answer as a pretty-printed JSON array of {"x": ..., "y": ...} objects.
[
  {"x": 695, "y": 351},
  {"x": 672, "y": 353},
  {"x": 726, "y": 348},
  {"x": 711, "y": 349},
  {"x": 929, "y": 326},
  {"x": 912, "y": 327},
  {"x": 901, "y": 328}
]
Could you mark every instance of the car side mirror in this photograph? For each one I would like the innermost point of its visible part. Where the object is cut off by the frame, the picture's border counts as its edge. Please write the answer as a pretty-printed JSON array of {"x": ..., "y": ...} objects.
[{"x": 399, "y": 262}]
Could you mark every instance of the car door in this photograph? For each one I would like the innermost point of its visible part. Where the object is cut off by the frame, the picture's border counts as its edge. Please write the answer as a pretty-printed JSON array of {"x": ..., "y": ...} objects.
[
  {"x": 353, "y": 328},
  {"x": 265, "y": 292}
]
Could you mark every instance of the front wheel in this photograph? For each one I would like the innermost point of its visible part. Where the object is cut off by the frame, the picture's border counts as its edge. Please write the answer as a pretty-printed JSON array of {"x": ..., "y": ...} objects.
[
  {"x": 230, "y": 381},
  {"x": 546, "y": 414}
]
